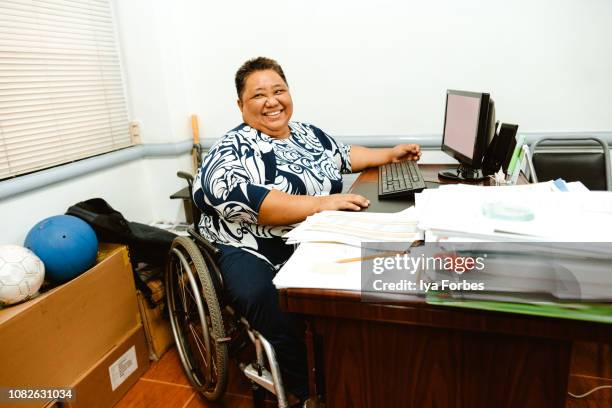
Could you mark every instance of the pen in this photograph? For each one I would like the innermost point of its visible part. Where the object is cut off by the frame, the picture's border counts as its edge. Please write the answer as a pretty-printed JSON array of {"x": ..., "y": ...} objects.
[{"x": 369, "y": 257}]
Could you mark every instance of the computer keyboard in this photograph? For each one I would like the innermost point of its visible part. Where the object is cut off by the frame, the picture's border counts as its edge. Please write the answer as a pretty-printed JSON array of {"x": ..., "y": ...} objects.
[{"x": 401, "y": 179}]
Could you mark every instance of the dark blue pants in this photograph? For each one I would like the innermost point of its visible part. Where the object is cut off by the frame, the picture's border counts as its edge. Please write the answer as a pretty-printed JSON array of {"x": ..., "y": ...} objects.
[{"x": 248, "y": 279}]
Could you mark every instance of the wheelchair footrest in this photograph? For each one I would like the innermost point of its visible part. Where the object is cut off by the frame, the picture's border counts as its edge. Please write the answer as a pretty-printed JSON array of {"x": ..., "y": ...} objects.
[{"x": 264, "y": 380}]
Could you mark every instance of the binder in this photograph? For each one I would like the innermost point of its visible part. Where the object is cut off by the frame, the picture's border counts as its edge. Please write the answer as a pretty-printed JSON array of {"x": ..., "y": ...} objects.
[
  {"x": 509, "y": 151},
  {"x": 500, "y": 150}
]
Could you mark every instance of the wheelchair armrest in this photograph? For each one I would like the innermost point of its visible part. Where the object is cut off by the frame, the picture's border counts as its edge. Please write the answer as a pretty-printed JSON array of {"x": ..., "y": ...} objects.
[
  {"x": 210, "y": 252},
  {"x": 209, "y": 247},
  {"x": 185, "y": 175}
]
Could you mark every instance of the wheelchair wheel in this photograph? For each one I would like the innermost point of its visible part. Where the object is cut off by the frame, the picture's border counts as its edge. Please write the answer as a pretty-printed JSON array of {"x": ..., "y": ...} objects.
[{"x": 196, "y": 319}]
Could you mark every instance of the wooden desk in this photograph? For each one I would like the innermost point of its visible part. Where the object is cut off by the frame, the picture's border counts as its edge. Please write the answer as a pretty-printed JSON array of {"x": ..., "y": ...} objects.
[{"x": 411, "y": 354}]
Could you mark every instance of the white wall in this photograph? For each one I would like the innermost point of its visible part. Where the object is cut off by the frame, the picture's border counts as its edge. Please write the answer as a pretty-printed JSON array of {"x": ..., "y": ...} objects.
[
  {"x": 19, "y": 214},
  {"x": 151, "y": 52},
  {"x": 382, "y": 67},
  {"x": 139, "y": 190}
]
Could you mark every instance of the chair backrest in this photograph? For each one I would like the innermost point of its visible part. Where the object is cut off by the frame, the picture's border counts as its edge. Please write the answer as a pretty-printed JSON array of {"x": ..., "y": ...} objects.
[
  {"x": 591, "y": 168},
  {"x": 196, "y": 214}
]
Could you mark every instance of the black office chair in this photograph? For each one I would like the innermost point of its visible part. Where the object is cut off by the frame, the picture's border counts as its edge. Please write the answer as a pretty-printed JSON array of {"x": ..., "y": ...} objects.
[{"x": 551, "y": 160}]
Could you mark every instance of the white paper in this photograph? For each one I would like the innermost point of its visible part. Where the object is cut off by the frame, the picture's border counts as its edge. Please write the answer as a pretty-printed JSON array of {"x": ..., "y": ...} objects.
[
  {"x": 314, "y": 265},
  {"x": 567, "y": 216},
  {"x": 353, "y": 228}
]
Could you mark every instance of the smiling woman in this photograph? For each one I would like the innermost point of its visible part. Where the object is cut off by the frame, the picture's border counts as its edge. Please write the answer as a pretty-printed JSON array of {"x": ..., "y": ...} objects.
[
  {"x": 266, "y": 104},
  {"x": 256, "y": 182}
]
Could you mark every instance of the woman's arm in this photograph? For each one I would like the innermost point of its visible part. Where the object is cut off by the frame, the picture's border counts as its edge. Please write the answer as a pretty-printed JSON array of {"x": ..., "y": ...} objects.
[
  {"x": 279, "y": 208},
  {"x": 364, "y": 157}
]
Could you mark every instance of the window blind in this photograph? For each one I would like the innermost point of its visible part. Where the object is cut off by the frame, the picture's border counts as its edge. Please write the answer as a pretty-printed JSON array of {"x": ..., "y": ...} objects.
[{"x": 61, "y": 90}]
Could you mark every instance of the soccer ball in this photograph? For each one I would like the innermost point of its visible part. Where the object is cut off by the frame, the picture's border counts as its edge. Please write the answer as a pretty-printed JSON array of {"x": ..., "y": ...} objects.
[{"x": 21, "y": 274}]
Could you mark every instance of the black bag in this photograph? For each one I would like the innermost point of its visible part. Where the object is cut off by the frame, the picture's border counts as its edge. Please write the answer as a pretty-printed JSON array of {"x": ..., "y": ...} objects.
[{"x": 146, "y": 244}]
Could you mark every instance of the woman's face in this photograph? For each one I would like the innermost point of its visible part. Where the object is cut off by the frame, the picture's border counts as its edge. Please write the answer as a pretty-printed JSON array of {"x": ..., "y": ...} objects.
[{"x": 266, "y": 103}]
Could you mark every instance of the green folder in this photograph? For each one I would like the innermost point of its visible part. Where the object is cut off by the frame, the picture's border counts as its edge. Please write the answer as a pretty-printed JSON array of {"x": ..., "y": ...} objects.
[
  {"x": 520, "y": 141},
  {"x": 593, "y": 312}
]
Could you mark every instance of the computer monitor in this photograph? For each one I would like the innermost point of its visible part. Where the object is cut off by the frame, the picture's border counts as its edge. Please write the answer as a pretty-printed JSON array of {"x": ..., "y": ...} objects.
[{"x": 469, "y": 123}]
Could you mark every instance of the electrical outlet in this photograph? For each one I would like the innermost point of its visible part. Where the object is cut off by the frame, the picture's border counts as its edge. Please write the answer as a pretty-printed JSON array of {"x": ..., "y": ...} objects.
[{"x": 135, "y": 132}]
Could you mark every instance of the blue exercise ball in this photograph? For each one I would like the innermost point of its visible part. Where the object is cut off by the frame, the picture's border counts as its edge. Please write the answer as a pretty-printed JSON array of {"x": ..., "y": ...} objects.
[{"x": 67, "y": 245}]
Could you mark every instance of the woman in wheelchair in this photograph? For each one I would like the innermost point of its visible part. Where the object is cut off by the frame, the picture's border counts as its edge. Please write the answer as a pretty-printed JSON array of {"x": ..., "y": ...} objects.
[{"x": 256, "y": 182}]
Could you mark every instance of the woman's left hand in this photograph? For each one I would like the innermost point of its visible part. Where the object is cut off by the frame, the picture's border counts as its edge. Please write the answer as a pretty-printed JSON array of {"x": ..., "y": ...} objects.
[{"x": 405, "y": 152}]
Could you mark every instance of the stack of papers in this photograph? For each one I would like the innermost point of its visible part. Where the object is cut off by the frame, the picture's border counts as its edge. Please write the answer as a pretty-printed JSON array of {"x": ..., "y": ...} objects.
[
  {"x": 566, "y": 237},
  {"x": 329, "y": 255},
  {"x": 353, "y": 228},
  {"x": 518, "y": 213}
]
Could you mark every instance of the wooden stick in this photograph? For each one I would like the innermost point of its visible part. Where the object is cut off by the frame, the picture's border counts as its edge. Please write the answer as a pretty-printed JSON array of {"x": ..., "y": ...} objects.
[
  {"x": 195, "y": 151},
  {"x": 195, "y": 128}
]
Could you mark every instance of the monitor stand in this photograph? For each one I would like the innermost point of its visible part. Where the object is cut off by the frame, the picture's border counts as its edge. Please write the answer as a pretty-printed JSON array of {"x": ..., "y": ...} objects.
[{"x": 462, "y": 173}]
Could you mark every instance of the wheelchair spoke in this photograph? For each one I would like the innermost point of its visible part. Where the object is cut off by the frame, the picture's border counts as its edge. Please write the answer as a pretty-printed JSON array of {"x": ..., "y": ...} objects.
[
  {"x": 214, "y": 367},
  {"x": 199, "y": 343},
  {"x": 182, "y": 278},
  {"x": 179, "y": 312},
  {"x": 210, "y": 375},
  {"x": 186, "y": 292}
]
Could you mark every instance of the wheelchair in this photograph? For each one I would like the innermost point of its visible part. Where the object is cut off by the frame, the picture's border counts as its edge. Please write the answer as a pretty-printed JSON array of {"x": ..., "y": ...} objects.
[{"x": 206, "y": 328}]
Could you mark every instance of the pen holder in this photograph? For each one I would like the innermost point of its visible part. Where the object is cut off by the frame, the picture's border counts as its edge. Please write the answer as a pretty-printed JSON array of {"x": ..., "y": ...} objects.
[{"x": 496, "y": 181}]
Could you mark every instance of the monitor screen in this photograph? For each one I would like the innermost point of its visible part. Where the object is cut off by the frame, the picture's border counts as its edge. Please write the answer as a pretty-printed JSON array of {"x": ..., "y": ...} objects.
[
  {"x": 461, "y": 125},
  {"x": 468, "y": 127}
]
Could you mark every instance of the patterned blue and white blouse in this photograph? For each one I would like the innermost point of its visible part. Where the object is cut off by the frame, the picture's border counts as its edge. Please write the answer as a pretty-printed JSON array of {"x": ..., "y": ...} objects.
[{"x": 245, "y": 164}]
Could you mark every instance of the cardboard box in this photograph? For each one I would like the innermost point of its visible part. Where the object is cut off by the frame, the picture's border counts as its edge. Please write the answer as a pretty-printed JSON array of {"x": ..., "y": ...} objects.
[
  {"x": 113, "y": 375},
  {"x": 52, "y": 340},
  {"x": 157, "y": 328}
]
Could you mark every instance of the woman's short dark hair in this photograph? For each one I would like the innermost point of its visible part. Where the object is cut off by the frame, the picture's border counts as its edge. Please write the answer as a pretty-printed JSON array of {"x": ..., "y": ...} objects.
[{"x": 254, "y": 65}]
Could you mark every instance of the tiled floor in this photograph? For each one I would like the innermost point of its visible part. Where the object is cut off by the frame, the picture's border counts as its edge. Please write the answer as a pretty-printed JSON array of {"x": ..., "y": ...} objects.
[{"x": 165, "y": 386}]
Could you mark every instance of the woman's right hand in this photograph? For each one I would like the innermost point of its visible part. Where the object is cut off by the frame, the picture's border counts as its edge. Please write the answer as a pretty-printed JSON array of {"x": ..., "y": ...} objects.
[
  {"x": 352, "y": 202},
  {"x": 279, "y": 208}
]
